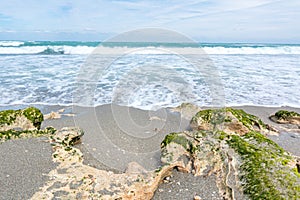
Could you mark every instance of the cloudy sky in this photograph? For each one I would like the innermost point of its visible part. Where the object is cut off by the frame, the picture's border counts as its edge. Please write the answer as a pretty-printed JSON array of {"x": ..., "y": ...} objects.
[{"x": 202, "y": 20}]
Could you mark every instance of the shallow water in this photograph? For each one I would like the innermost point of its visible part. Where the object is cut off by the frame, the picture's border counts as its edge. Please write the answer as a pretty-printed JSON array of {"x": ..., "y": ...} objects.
[{"x": 259, "y": 75}]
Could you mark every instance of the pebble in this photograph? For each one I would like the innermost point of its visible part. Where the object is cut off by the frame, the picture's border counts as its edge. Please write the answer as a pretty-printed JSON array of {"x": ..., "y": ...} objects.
[{"x": 196, "y": 197}]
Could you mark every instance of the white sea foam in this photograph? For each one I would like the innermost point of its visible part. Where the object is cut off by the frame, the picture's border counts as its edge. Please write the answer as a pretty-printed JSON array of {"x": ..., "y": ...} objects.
[
  {"x": 253, "y": 50},
  {"x": 15, "y": 48},
  {"x": 11, "y": 43},
  {"x": 149, "y": 79},
  {"x": 84, "y": 50}
]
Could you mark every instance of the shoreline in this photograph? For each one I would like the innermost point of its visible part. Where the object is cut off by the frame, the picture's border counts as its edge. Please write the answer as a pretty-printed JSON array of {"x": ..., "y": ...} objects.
[{"x": 117, "y": 135}]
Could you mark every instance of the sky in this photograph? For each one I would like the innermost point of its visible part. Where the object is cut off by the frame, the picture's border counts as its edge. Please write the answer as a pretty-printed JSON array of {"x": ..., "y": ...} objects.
[{"x": 272, "y": 21}]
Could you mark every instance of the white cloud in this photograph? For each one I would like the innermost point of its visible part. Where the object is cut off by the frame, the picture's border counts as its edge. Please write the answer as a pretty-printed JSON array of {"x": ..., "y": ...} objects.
[{"x": 214, "y": 19}]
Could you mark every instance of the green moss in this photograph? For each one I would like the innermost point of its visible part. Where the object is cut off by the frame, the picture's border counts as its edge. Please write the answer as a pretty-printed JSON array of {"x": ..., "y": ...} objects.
[
  {"x": 34, "y": 115},
  {"x": 283, "y": 114},
  {"x": 178, "y": 139},
  {"x": 14, "y": 134},
  {"x": 263, "y": 162},
  {"x": 259, "y": 138},
  {"x": 158, "y": 170},
  {"x": 205, "y": 115},
  {"x": 218, "y": 116},
  {"x": 248, "y": 120},
  {"x": 202, "y": 134},
  {"x": 295, "y": 170},
  {"x": 7, "y": 117},
  {"x": 221, "y": 135}
]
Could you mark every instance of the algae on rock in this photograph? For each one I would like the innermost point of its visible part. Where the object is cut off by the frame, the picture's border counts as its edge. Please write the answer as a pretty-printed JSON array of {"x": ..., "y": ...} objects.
[
  {"x": 229, "y": 141},
  {"x": 225, "y": 143},
  {"x": 27, "y": 119},
  {"x": 229, "y": 120},
  {"x": 286, "y": 117},
  {"x": 22, "y": 123}
]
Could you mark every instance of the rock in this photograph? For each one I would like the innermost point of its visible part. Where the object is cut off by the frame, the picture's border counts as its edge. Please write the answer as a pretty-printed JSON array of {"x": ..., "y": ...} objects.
[
  {"x": 196, "y": 197},
  {"x": 226, "y": 143},
  {"x": 286, "y": 117},
  {"x": 53, "y": 115},
  {"x": 230, "y": 144},
  {"x": 68, "y": 136},
  {"x": 229, "y": 120},
  {"x": 57, "y": 115},
  {"x": 27, "y": 119},
  {"x": 187, "y": 110},
  {"x": 22, "y": 124}
]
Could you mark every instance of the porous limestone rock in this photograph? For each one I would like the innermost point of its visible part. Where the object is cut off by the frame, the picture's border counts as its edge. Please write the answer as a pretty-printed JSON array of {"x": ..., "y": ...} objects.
[
  {"x": 229, "y": 120},
  {"x": 286, "y": 117},
  {"x": 22, "y": 124},
  {"x": 79, "y": 181},
  {"x": 226, "y": 142},
  {"x": 27, "y": 119}
]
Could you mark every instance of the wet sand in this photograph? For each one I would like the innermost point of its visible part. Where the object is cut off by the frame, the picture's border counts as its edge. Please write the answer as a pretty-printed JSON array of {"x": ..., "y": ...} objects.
[{"x": 114, "y": 136}]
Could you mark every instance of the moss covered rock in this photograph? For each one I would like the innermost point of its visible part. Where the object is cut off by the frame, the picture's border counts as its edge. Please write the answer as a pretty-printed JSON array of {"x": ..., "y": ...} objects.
[
  {"x": 228, "y": 119},
  {"x": 229, "y": 143},
  {"x": 27, "y": 119},
  {"x": 286, "y": 117},
  {"x": 14, "y": 134},
  {"x": 22, "y": 124},
  {"x": 68, "y": 136}
]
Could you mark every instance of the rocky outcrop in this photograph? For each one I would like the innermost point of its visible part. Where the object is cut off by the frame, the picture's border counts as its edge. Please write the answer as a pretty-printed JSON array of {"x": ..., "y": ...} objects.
[
  {"x": 286, "y": 117},
  {"x": 227, "y": 143},
  {"x": 74, "y": 180},
  {"x": 230, "y": 143},
  {"x": 229, "y": 120},
  {"x": 27, "y": 119},
  {"x": 22, "y": 123},
  {"x": 287, "y": 120}
]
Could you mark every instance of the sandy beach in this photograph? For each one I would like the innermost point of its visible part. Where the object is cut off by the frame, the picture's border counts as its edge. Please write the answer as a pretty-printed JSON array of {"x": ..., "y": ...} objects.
[{"x": 115, "y": 136}]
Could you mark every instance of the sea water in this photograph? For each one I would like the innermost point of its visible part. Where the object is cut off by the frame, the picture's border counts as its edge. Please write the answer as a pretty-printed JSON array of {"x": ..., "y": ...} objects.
[{"x": 64, "y": 73}]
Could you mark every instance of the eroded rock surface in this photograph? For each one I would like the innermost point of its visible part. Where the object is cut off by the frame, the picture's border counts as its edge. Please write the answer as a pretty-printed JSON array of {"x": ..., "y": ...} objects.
[
  {"x": 289, "y": 120},
  {"x": 72, "y": 179},
  {"x": 230, "y": 143},
  {"x": 22, "y": 124},
  {"x": 26, "y": 119},
  {"x": 226, "y": 143}
]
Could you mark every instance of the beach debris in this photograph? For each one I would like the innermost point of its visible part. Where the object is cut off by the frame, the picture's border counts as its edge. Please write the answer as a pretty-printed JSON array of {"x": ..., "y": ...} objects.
[
  {"x": 196, "y": 197},
  {"x": 298, "y": 166},
  {"x": 153, "y": 118},
  {"x": 57, "y": 115}
]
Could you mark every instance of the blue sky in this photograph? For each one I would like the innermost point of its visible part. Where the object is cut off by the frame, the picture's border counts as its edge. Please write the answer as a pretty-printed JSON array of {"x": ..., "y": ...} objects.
[{"x": 203, "y": 20}]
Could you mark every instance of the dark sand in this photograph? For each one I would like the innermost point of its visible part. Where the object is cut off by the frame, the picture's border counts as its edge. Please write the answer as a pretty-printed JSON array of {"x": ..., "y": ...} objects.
[
  {"x": 114, "y": 136},
  {"x": 23, "y": 165}
]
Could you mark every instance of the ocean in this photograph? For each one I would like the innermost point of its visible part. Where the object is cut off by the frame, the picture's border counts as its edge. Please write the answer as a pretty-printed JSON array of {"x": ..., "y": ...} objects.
[{"x": 148, "y": 75}]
